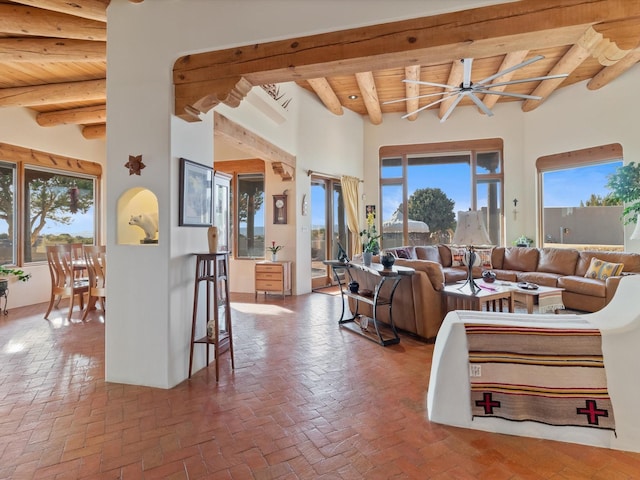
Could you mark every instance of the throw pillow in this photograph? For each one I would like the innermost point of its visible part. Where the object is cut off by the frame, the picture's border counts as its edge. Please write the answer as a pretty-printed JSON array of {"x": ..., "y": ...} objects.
[
  {"x": 485, "y": 257},
  {"x": 602, "y": 270},
  {"x": 457, "y": 256}
]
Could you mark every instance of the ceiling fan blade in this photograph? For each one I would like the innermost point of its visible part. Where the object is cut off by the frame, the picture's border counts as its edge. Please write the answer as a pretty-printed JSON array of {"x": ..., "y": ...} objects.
[
  {"x": 429, "y": 105},
  {"x": 413, "y": 98},
  {"x": 453, "y": 105},
  {"x": 481, "y": 105},
  {"x": 525, "y": 80},
  {"x": 466, "y": 77},
  {"x": 431, "y": 84},
  {"x": 511, "y": 69},
  {"x": 509, "y": 94}
]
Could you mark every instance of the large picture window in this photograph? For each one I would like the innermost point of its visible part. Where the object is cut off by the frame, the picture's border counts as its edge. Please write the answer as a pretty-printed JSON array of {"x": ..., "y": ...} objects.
[
  {"x": 578, "y": 211},
  {"x": 424, "y": 186}
]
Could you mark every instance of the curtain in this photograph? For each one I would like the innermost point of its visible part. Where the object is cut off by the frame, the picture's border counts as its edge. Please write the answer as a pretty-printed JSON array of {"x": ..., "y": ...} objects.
[{"x": 350, "y": 190}]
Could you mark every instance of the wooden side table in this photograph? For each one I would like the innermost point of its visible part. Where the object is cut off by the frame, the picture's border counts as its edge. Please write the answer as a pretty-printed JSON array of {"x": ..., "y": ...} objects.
[
  {"x": 211, "y": 272},
  {"x": 359, "y": 323},
  {"x": 273, "y": 277}
]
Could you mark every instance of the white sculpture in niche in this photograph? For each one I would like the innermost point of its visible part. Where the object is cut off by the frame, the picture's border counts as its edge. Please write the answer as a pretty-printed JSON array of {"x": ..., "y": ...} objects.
[{"x": 147, "y": 222}]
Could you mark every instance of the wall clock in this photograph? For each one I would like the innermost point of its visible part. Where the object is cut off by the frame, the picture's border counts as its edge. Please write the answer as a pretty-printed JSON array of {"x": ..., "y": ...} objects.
[{"x": 280, "y": 209}]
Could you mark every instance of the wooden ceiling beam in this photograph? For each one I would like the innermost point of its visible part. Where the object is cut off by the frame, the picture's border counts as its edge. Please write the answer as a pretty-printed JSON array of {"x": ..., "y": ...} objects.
[
  {"x": 571, "y": 60},
  {"x": 90, "y": 90},
  {"x": 45, "y": 50},
  {"x": 526, "y": 24},
  {"x": 248, "y": 141},
  {"x": 19, "y": 20},
  {"x": 455, "y": 78},
  {"x": 610, "y": 73},
  {"x": 510, "y": 60},
  {"x": 95, "y": 132},
  {"x": 367, "y": 86},
  {"x": 326, "y": 94},
  {"x": 76, "y": 116},
  {"x": 412, "y": 90},
  {"x": 91, "y": 9}
]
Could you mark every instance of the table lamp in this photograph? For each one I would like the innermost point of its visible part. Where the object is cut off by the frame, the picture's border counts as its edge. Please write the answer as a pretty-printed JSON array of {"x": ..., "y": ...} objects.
[{"x": 471, "y": 232}]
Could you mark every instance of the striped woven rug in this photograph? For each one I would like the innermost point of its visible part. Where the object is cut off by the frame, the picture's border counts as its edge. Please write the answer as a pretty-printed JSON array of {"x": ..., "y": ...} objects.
[{"x": 551, "y": 376}]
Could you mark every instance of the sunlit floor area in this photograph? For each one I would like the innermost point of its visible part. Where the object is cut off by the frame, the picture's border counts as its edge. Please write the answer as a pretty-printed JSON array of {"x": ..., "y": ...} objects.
[{"x": 307, "y": 400}]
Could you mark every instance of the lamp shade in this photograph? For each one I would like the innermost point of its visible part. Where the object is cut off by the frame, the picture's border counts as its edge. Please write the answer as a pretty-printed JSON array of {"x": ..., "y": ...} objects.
[
  {"x": 470, "y": 229},
  {"x": 636, "y": 232}
]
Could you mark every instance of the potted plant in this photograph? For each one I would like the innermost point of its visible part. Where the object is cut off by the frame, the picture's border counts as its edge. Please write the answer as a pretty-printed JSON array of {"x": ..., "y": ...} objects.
[
  {"x": 369, "y": 235},
  {"x": 5, "y": 272},
  {"x": 523, "y": 241},
  {"x": 274, "y": 249}
]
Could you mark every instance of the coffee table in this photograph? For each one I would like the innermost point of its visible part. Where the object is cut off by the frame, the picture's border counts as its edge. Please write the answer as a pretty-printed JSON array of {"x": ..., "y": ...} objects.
[
  {"x": 460, "y": 297},
  {"x": 549, "y": 299}
]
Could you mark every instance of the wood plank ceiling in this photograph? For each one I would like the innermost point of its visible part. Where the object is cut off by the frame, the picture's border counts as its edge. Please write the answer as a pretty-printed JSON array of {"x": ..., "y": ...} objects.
[{"x": 53, "y": 60}]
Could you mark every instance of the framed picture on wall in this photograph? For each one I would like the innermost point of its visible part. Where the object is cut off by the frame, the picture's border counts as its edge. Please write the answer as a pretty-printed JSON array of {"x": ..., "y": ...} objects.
[
  {"x": 370, "y": 209},
  {"x": 196, "y": 194}
]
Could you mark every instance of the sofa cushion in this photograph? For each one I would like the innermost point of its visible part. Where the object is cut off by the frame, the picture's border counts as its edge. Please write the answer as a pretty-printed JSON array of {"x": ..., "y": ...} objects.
[
  {"x": 558, "y": 260},
  {"x": 485, "y": 257},
  {"x": 545, "y": 279},
  {"x": 497, "y": 257},
  {"x": 403, "y": 252},
  {"x": 602, "y": 270},
  {"x": 523, "y": 259},
  {"x": 506, "y": 275},
  {"x": 445, "y": 255},
  {"x": 584, "y": 286},
  {"x": 433, "y": 270},
  {"x": 430, "y": 252},
  {"x": 631, "y": 260},
  {"x": 455, "y": 274},
  {"x": 457, "y": 256}
]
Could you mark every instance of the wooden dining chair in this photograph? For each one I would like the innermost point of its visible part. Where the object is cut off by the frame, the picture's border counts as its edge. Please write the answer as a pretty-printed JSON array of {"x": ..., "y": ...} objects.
[
  {"x": 63, "y": 279},
  {"x": 96, "y": 260}
]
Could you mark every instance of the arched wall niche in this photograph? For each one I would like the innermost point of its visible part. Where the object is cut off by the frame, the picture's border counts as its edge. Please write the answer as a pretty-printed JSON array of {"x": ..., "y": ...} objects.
[{"x": 137, "y": 217}]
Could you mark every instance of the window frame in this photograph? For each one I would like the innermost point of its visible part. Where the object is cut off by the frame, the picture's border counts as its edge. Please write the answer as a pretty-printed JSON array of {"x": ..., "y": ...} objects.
[
  {"x": 567, "y": 160},
  {"x": 235, "y": 168},
  {"x": 470, "y": 147},
  {"x": 22, "y": 157}
]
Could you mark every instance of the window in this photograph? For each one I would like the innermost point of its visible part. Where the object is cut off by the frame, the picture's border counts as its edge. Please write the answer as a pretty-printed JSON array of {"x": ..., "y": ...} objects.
[
  {"x": 424, "y": 186},
  {"x": 59, "y": 208},
  {"x": 42, "y": 205},
  {"x": 8, "y": 233},
  {"x": 577, "y": 209},
  {"x": 251, "y": 215}
]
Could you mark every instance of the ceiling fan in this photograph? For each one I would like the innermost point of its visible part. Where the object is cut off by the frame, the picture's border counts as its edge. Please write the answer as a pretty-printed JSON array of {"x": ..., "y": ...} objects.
[{"x": 470, "y": 89}]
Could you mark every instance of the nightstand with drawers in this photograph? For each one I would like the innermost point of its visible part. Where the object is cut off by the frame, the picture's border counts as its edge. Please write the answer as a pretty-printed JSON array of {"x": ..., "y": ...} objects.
[{"x": 273, "y": 277}]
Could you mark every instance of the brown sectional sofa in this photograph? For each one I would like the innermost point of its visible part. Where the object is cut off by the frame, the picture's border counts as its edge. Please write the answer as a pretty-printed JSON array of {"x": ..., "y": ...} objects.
[{"x": 418, "y": 306}]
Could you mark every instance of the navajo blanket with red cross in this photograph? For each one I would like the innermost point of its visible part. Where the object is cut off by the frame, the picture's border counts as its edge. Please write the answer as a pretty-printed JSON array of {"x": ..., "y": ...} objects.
[{"x": 546, "y": 375}]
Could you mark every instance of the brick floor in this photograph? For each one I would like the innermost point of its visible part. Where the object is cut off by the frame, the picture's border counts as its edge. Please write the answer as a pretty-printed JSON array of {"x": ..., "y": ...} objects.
[{"x": 306, "y": 400}]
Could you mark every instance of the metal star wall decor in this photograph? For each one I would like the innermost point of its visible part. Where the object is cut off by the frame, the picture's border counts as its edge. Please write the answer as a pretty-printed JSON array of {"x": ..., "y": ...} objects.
[{"x": 135, "y": 164}]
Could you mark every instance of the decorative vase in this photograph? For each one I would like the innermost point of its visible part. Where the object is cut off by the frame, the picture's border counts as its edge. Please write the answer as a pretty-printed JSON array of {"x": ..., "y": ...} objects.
[
  {"x": 387, "y": 260},
  {"x": 274, "y": 257},
  {"x": 366, "y": 258},
  {"x": 212, "y": 237},
  {"x": 211, "y": 329}
]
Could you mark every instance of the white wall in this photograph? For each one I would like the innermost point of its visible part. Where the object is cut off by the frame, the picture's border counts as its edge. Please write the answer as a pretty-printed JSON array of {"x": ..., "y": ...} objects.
[
  {"x": 19, "y": 127},
  {"x": 149, "y": 291},
  {"x": 576, "y": 118}
]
